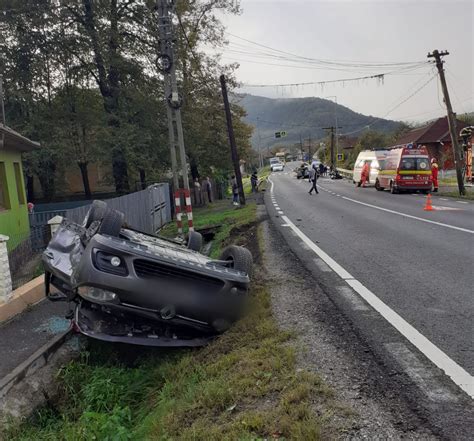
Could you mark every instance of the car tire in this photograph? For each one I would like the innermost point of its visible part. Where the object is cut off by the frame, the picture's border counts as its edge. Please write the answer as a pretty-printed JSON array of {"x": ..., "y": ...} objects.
[
  {"x": 359, "y": 183},
  {"x": 194, "y": 241},
  {"x": 425, "y": 191},
  {"x": 393, "y": 190},
  {"x": 377, "y": 186},
  {"x": 95, "y": 213},
  {"x": 111, "y": 223},
  {"x": 240, "y": 257}
]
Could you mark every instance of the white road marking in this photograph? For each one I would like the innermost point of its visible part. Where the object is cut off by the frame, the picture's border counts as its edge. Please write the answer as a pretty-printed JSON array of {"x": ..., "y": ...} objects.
[
  {"x": 464, "y": 230},
  {"x": 320, "y": 263},
  {"x": 338, "y": 269},
  {"x": 350, "y": 295},
  {"x": 460, "y": 376},
  {"x": 419, "y": 373},
  {"x": 280, "y": 212},
  {"x": 462, "y": 202},
  {"x": 284, "y": 225},
  {"x": 443, "y": 199}
]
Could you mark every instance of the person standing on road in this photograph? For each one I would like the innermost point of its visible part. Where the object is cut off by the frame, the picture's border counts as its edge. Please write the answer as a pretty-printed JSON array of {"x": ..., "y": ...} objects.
[
  {"x": 235, "y": 190},
  {"x": 313, "y": 177},
  {"x": 434, "y": 174},
  {"x": 364, "y": 175},
  {"x": 321, "y": 169}
]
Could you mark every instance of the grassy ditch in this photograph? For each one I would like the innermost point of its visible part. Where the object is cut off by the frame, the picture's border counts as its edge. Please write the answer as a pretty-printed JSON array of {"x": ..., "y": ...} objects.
[
  {"x": 243, "y": 386},
  {"x": 469, "y": 196}
]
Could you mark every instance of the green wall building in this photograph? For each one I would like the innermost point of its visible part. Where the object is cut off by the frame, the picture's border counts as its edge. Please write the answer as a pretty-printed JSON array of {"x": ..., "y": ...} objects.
[{"x": 14, "y": 220}]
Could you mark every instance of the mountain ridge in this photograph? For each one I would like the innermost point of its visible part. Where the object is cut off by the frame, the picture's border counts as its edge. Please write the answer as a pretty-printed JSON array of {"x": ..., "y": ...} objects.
[{"x": 303, "y": 117}]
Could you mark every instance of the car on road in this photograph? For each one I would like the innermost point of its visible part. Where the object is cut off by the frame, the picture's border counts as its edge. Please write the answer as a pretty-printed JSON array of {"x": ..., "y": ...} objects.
[
  {"x": 131, "y": 287},
  {"x": 406, "y": 168},
  {"x": 276, "y": 165},
  {"x": 302, "y": 171},
  {"x": 376, "y": 160}
]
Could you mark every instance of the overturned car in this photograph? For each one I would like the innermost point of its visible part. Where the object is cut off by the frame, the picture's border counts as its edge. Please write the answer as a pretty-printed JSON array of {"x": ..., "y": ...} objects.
[{"x": 130, "y": 287}]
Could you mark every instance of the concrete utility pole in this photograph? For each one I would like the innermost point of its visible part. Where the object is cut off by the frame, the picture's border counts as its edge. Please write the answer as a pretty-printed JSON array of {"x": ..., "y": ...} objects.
[
  {"x": 173, "y": 99},
  {"x": 451, "y": 119},
  {"x": 233, "y": 145},
  {"x": 309, "y": 149},
  {"x": 301, "y": 147}
]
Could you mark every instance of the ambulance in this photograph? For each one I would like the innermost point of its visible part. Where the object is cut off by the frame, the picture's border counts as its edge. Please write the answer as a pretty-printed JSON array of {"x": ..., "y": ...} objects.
[
  {"x": 406, "y": 168},
  {"x": 376, "y": 160}
]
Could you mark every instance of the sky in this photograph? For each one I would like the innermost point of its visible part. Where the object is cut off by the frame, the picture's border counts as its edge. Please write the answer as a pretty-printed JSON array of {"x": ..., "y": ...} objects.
[{"x": 375, "y": 32}]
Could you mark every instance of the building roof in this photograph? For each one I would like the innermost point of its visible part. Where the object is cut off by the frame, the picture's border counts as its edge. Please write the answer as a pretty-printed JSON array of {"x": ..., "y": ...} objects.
[
  {"x": 9, "y": 139},
  {"x": 435, "y": 131}
]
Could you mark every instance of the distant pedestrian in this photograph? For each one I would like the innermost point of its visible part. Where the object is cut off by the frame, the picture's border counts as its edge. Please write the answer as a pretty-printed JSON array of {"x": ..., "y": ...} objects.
[
  {"x": 434, "y": 174},
  {"x": 207, "y": 188},
  {"x": 235, "y": 190},
  {"x": 254, "y": 182},
  {"x": 321, "y": 168},
  {"x": 31, "y": 207},
  {"x": 197, "y": 192},
  {"x": 313, "y": 177}
]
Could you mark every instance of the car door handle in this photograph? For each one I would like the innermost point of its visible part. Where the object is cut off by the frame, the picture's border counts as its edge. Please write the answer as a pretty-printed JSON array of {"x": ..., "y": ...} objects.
[{"x": 48, "y": 254}]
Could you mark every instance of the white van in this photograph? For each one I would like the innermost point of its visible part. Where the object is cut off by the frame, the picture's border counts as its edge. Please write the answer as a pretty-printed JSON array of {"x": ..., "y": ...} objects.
[{"x": 376, "y": 160}]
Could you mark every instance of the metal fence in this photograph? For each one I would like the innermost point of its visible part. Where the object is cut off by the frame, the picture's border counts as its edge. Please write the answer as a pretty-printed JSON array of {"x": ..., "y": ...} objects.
[
  {"x": 147, "y": 210},
  {"x": 24, "y": 254}
]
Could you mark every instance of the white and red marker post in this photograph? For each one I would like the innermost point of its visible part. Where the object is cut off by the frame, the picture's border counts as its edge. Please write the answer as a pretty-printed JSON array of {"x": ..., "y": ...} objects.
[{"x": 188, "y": 209}]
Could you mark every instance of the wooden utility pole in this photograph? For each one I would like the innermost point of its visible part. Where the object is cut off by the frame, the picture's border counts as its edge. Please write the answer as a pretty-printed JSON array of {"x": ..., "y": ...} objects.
[
  {"x": 233, "y": 146},
  {"x": 332, "y": 129},
  {"x": 2, "y": 103},
  {"x": 451, "y": 119}
]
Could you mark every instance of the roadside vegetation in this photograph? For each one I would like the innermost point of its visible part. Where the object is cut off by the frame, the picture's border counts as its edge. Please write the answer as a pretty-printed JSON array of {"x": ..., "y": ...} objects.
[
  {"x": 455, "y": 194},
  {"x": 245, "y": 385}
]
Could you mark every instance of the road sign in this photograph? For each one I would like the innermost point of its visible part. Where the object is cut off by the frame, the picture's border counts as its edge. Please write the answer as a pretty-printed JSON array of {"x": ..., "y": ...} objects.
[
  {"x": 280, "y": 134},
  {"x": 340, "y": 157}
]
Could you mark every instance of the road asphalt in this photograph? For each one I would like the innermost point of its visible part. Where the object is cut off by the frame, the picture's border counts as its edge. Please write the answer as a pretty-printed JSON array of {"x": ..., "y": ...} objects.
[{"x": 416, "y": 264}]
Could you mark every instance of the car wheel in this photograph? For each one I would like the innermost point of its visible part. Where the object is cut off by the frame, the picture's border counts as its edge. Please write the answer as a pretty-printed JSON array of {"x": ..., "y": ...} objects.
[
  {"x": 425, "y": 191},
  {"x": 95, "y": 213},
  {"x": 359, "y": 183},
  {"x": 240, "y": 258},
  {"x": 377, "y": 186},
  {"x": 393, "y": 190},
  {"x": 112, "y": 223},
  {"x": 194, "y": 241}
]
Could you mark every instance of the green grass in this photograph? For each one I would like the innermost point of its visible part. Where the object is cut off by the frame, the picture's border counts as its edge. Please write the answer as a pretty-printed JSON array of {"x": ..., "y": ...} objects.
[
  {"x": 243, "y": 386},
  {"x": 219, "y": 213},
  {"x": 455, "y": 194}
]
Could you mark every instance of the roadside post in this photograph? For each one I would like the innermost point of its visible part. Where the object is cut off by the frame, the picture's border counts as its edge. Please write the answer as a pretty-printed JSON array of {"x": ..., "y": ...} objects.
[
  {"x": 458, "y": 156},
  {"x": 233, "y": 146},
  {"x": 5, "y": 276}
]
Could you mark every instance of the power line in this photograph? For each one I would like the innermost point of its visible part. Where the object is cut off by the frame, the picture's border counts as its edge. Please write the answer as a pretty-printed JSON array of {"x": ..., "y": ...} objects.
[
  {"x": 325, "y": 61},
  {"x": 396, "y": 107},
  {"x": 380, "y": 77}
]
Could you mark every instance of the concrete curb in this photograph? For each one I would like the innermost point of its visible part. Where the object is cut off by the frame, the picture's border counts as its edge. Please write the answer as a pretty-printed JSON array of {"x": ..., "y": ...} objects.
[
  {"x": 22, "y": 298},
  {"x": 34, "y": 362}
]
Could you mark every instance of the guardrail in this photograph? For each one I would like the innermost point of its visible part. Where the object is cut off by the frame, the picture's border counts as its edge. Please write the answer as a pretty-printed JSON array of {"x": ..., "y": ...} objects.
[{"x": 345, "y": 173}]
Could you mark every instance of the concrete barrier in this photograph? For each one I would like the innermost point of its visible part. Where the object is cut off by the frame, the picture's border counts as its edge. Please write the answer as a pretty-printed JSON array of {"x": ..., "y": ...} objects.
[{"x": 21, "y": 298}]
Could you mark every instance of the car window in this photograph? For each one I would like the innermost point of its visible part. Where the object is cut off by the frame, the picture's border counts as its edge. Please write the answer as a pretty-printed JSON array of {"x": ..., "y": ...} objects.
[{"x": 415, "y": 164}]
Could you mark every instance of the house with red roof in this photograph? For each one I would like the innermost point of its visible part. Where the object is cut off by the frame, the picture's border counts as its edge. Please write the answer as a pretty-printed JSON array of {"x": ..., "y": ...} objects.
[{"x": 435, "y": 136}]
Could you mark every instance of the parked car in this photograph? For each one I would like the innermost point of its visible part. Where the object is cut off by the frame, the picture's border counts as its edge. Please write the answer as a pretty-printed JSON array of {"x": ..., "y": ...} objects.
[
  {"x": 131, "y": 287},
  {"x": 406, "y": 168},
  {"x": 376, "y": 160}
]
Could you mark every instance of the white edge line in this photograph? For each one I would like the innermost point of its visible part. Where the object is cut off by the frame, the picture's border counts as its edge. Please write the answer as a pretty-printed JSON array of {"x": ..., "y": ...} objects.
[
  {"x": 461, "y": 377},
  {"x": 338, "y": 269},
  {"x": 465, "y": 230}
]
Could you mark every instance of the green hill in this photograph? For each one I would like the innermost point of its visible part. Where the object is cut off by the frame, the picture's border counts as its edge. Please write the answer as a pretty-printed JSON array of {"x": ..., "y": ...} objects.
[{"x": 303, "y": 116}]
